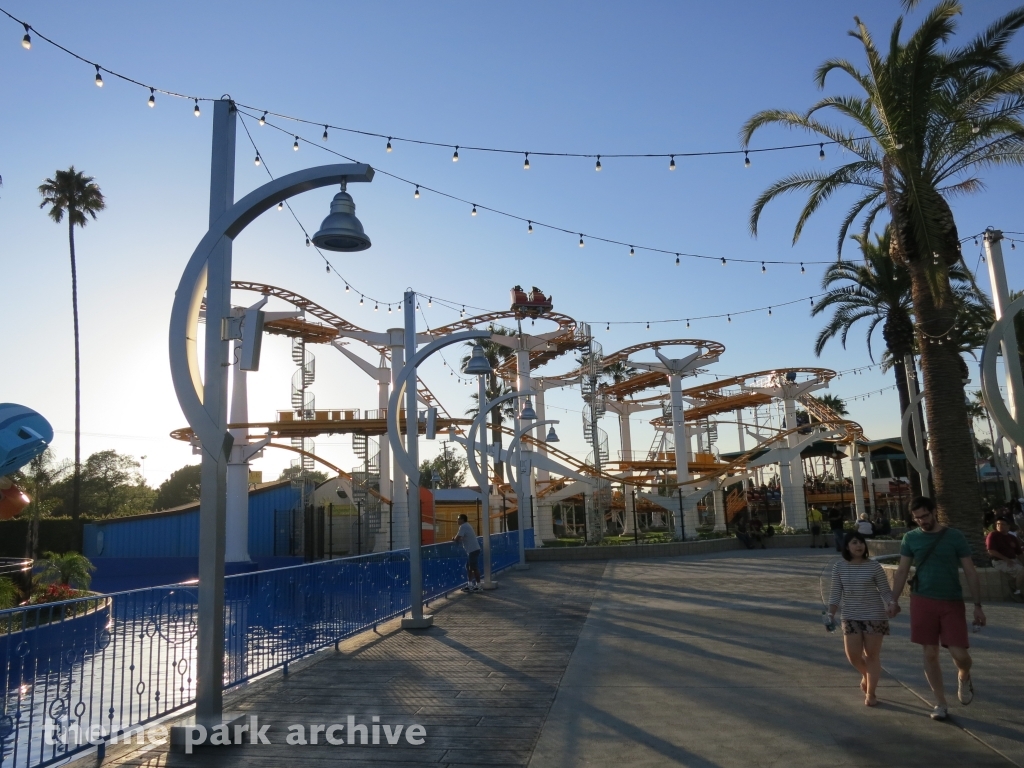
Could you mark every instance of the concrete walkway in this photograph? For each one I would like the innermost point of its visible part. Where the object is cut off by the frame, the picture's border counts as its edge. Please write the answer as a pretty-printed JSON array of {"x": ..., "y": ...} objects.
[
  {"x": 716, "y": 660},
  {"x": 721, "y": 661}
]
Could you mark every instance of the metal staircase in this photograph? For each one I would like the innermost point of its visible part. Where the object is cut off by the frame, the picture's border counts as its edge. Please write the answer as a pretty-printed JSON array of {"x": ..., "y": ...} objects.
[
  {"x": 591, "y": 366},
  {"x": 303, "y": 401},
  {"x": 366, "y": 476}
]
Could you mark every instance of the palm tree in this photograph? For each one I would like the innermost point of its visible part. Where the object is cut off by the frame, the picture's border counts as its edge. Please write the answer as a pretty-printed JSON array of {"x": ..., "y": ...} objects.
[
  {"x": 619, "y": 372},
  {"x": 835, "y": 403},
  {"x": 879, "y": 291},
  {"x": 72, "y": 569},
  {"x": 926, "y": 118},
  {"x": 71, "y": 192},
  {"x": 496, "y": 387}
]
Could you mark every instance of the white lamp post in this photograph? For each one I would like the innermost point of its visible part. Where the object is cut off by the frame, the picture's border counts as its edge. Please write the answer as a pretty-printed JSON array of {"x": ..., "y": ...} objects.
[
  {"x": 203, "y": 399},
  {"x": 407, "y": 457},
  {"x": 516, "y": 477}
]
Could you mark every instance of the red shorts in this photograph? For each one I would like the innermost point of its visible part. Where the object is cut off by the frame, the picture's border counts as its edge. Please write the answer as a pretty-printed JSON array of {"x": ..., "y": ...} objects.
[{"x": 938, "y": 622}]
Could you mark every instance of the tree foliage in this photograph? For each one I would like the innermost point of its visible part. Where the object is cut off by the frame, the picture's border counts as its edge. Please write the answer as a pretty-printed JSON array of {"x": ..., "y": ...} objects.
[{"x": 181, "y": 488}]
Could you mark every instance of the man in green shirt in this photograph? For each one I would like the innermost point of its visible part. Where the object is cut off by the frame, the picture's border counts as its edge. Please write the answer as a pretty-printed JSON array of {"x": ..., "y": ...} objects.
[
  {"x": 937, "y": 610},
  {"x": 814, "y": 520}
]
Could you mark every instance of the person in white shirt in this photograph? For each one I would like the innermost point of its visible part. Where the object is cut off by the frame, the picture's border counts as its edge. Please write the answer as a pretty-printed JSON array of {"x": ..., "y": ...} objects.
[
  {"x": 466, "y": 536},
  {"x": 860, "y": 586},
  {"x": 864, "y": 526}
]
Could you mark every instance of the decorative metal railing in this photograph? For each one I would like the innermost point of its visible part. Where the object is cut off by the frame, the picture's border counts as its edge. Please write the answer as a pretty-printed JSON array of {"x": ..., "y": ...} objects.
[{"x": 87, "y": 669}]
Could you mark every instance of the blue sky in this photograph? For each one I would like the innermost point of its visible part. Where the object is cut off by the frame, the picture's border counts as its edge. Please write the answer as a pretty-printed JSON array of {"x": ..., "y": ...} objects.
[{"x": 576, "y": 77}]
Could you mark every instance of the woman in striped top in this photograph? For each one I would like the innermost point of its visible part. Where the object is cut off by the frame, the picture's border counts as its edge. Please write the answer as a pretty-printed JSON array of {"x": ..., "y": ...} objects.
[{"x": 861, "y": 585}]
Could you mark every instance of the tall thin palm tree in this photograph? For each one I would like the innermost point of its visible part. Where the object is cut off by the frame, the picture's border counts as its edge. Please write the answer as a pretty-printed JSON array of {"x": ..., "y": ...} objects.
[
  {"x": 71, "y": 193},
  {"x": 926, "y": 118},
  {"x": 496, "y": 387},
  {"x": 879, "y": 291}
]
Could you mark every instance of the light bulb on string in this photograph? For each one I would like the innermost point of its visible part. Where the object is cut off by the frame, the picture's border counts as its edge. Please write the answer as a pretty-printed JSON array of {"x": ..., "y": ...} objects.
[
  {"x": 346, "y": 287},
  {"x": 935, "y": 258},
  {"x": 729, "y": 318},
  {"x": 802, "y": 270},
  {"x": 1013, "y": 245},
  {"x": 416, "y": 194},
  {"x": 812, "y": 301},
  {"x": 430, "y": 302},
  {"x": 257, "y": 160},
  {"x": 597, "y": 167},
  {"x": 529, "y": 228},
  {"x": 295, "y": 146},
  {"x": 389, "y": 309},
  {"x": 360, "y": 300},
  {"x": 672, "y": 162},
  {"x": 677, "y": 259},
  {"x": 687, "y": 323},
  {"x": 631, "y": 251},
  {"x": 463, "y": 312},
  {"x": 821, "y": 151},
  {"x": 26, "y": 41},
  {"x": 607, "y": 327},
  {"x": 473, "y": 212},
  {"x": 328, "y": 268},
  {"x": 746, "y": 159},
  {"x": 375, "y": 307},
  {"x": 723, "y": 261},
  {"x": 307, "y": 241},
  {"x": 196, "y": 111},
  {"x": 388, "y": 148},
  {"x": 975, "y": 129},
  {"x": 763, "y": 268},
  {"x": 99, "y": 77},
  {"x": 325, "y": 133},
  {"x": 280, "y": 206},
  {"x": 263, "y": 118},
  {"x": 455, "y": 157},
  {"x": 526, "y": 162},
  {"x": 648, "y": 325},
  {"x": 769, "y": 311},
  {"x": 152, "y": 98},
  {"x": 581, "y": 240}
]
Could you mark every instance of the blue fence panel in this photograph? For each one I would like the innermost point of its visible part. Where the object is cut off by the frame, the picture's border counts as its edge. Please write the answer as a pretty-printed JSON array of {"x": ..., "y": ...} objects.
[{"x": 96, "y": 667}]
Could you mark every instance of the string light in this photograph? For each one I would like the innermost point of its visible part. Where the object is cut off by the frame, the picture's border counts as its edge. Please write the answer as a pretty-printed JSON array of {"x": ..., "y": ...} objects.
[
  {"x": 729, "y": 318},
  {"x": 746, "y": 159},
  {"x": 723, "y": 261},
  {"x": 581, "y": 240},
  {"x": 526, "y": 162},
  {"x": 196, "y": 110},
  {"x": 346, "y": 287},
  {"x": 328, "y": 268},
  {"x": 455, "y": 157},
  {"x": 307, "y": 241},
  {"x": 295, "y": 146},
  {"x": 388, "y": 148},
  {"x": 648, "y": 325},
  {"x": 975, "y": 129},
  {"x": 416, "y": 194},
  {"x": 935, "y": 258},
  {"x": 631, "y": 251},
  {"x": 899, "y": 145},
  {"x": 263, "y": 119},
  {"x": 325, "y": 133},
  {"x": 280, "y": 206},
  {"x": 375, "y": 306},
  {"x": 152, "y": 98},
  {"x": 821, "y": 151},
  {"x": 608, "y": 327},
  {"x": 360, "y": 300},
  {"x": 802, "y": 270},
  {"x": 677, "y": 259},
  {"x": 529, "y": 228},
  {"x": 26, "y": 41},
  {"x": 430, "y": 302},
  {"x": 598, "y": 166},
  {"x": 687, "y": 323},
  {"x": 99, "y": 77},
  {"x": 1013, "y": 245},
  {"x": 389, "y": 309},
  {"x": 763, "y": 268},
  {"x": 463, "y": 312},
  {"x": 769, "y": 311},
  {"x": 473, "y": 212},
  {"x": 257, "y": 160}
]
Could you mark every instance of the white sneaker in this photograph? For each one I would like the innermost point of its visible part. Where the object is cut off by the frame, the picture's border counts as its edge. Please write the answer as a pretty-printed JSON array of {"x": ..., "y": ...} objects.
[
  {"x": 476, "y": 588},
  {"x": 939, "y": 713},
  {"x": 965, "y": 691}
]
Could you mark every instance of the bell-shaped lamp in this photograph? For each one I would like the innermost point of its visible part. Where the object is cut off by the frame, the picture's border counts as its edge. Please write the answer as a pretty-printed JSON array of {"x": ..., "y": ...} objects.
[
  {"x": 478, "y": 364},
  {"x": 528, "y": 412},
  {"x": 341, "y": 230},
  {"x": 435, "y": 478},
  {"x": 552, "y": 437}
]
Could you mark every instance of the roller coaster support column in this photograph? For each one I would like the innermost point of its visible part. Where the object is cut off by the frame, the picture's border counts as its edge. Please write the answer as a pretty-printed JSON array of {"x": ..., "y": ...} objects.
[
  {"x": 624, "y": 408},
  {"x": 858, "y": 488},
  {"x": 719, "y": 505},
  {"x": 1011, "y": 363},
  {"x": 407, "y": 456}
]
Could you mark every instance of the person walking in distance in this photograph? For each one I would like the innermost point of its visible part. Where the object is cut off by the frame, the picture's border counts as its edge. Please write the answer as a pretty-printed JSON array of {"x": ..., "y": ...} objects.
[
  {"x": 835, "y": 524},
  {"x": 814, "y": 521},
  {"x": 859, "y": 584},
  {"x": 466, "y": 536},
  {"x": 1007, "y": 554},
  {"x": 937, "y": 610}
]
